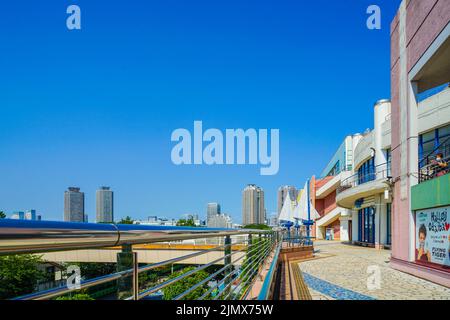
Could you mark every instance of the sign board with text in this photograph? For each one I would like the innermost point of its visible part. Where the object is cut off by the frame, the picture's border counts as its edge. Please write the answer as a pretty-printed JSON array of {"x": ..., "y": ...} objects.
[{"x": 433, "y": 236}]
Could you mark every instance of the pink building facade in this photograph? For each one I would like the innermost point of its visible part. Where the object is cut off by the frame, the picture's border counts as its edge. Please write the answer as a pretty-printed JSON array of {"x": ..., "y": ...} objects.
[{"x": 420, "y": 61}]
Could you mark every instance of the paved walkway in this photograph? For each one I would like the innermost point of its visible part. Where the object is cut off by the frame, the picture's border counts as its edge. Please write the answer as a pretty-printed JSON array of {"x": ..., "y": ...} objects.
[{"x": 346, "y": 272}]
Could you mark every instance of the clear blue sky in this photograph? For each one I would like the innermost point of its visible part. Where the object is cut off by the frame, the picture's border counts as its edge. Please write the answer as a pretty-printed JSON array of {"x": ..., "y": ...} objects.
[{"x": 97, "y": 106}]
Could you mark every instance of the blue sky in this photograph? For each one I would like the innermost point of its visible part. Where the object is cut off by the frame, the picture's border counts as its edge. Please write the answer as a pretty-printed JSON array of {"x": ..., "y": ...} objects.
[{"x": 97, "y": 106}]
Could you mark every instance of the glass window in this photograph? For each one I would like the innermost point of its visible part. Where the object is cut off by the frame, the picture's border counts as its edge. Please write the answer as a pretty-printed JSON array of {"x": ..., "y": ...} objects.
[
  {"x": 388, "y": 160},
  {"x": 366, "y": 172},
  {"x": 429, "y": 136},
  {"x": 335, "y": 170},
  {"x": 432, "y": 142},
  {"x": 428, "y": 148},
  {"x": 444, "y": 131}
]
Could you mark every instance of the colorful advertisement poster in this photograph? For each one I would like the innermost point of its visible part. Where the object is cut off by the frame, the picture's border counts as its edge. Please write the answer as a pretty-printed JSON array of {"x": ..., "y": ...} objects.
[{"x": 433, "y": 236}]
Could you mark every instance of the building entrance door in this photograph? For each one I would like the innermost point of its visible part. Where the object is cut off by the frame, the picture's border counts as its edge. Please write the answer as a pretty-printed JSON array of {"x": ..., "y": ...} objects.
[{"x": 366, "y": 225}]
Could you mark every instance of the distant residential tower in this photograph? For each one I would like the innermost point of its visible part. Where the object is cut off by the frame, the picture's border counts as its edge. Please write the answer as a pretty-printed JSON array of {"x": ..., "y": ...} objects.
[
  {"x": 74, "y": 205},
  {"x": 105, "y": 205},
  {"x": 253, "y": 211}
]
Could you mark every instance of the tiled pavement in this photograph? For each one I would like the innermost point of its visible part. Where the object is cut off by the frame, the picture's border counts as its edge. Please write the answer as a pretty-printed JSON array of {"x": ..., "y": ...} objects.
[{"x": 341, "y": 272}]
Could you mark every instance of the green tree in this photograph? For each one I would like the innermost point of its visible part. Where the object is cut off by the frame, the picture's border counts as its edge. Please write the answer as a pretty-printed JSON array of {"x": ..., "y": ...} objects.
[
  {"x": 173, "y": 290},
  {"x": 2, "y": 215},
  {"x": 91, "y": 270},
  {"x": 19, "y": 275},
  {"x": 147, "y": 279},
  {"x": 78, "y": 296},
  {"x": 126, "y": 220},
  {"x": 257, "y": 227},
  {"x": 189, "y": 222}
]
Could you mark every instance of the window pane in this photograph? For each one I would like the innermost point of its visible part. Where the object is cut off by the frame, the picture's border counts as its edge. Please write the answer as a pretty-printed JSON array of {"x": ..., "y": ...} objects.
[
  {"x": 428, "y": 148},
  {"x": 444, "y": 134},
  {"x": 429, "y": 136}
]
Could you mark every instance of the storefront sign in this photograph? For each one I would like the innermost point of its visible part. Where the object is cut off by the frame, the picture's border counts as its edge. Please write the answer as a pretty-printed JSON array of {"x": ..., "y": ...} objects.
[{"x": 433, "y": 236}]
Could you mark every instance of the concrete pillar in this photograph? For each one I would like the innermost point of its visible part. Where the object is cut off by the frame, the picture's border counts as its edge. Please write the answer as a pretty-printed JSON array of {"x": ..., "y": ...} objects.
[
  {"x": 344, "y": 228},
  {"x": 355, "y": 224},
  {"x": 381, "y": 111}
]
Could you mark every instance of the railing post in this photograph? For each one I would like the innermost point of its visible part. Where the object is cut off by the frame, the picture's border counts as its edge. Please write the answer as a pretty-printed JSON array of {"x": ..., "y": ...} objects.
[
  {"x": 125, "y": 261},
  {"x": 227, "y": 262},
  {"x": 135, "y": 276},
  {"x": 250, "y": 248}
]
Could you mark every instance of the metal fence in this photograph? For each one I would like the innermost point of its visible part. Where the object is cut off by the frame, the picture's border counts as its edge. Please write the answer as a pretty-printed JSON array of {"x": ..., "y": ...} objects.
[
  {"x": 430, "y": 168},
  {"x": 242, "y": 259},
  {"x": 382, "y": 171}
]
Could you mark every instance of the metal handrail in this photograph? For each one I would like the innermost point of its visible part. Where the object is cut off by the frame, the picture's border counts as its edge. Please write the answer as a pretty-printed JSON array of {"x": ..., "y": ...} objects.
[
  {"x": 264, "y": 294},
  {"x": 265, "y": 250},
  {"x": 19, "y": 236},
  {"x": 171, "y": 281},
  {"x": 427, "y": 157},
  {"x": 25, "y": 236},
  {"x": 430, "y": 169},
  {"x": 183, "y": 294},
  {"x": 252, "y": 274},
  {"x": 207, "y": 293},
  {"x": 379, "y": 172},
  {"x": 54, "y": 292}
]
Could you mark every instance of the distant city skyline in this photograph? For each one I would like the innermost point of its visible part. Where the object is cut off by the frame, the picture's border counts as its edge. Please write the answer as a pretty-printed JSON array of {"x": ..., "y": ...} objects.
[{"x": 68, "y": 118}]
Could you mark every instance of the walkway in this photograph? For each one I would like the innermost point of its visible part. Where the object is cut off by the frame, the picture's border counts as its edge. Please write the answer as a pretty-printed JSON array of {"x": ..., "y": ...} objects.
[{"x": 346, "y": 272}]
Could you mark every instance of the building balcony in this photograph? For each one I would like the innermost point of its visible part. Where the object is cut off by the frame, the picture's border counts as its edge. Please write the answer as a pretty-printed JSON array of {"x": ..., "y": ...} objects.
[
  {"x": 330, "y": 217},
  {"x": 332, "y": 184},
  {"x": 361, "y": 186},
  {"x": 430, "y": 168}
]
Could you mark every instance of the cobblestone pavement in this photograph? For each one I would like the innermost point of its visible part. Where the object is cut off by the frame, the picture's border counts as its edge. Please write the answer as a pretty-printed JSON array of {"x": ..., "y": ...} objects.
[{"x": 346, "y": 266}]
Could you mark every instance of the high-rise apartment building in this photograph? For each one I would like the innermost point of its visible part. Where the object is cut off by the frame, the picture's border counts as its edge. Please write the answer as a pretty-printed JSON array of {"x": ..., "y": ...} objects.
[
  {"x": 74, "y": 205},
  {"x": 282, "y": 192},
  {"x": 105, "y": 205},
  {"x": 213, "y": 209},
  {"x": 253, "y": 211}
]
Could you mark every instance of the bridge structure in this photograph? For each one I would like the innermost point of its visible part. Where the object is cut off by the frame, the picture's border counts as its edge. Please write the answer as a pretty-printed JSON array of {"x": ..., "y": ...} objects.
[{"x": 247, "y": 261}]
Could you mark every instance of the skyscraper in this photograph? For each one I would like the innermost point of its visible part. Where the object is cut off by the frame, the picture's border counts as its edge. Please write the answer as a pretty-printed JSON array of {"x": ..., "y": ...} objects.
[
  {"x": 73, "y": 205},
  {"x": 213, "y": 209},
  {"x": 253, "y": 211},
  {"x": 282, "y": 192},
  {"x": 105, "y": 205}
]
